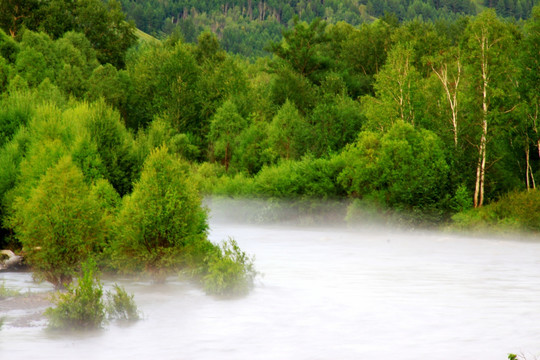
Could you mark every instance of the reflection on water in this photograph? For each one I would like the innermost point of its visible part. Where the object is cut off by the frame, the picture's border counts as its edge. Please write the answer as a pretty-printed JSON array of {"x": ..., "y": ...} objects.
[{"x": 326, "y": 293}]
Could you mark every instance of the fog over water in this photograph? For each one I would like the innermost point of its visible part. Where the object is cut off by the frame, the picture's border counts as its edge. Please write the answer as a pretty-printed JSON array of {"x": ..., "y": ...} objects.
[{"x": 327, "y": 292}]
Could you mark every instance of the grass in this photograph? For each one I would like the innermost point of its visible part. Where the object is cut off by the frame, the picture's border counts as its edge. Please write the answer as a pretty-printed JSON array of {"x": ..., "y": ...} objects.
[
  {"x": 145, "y": 37},
  {"x": 5, "y": 292}
]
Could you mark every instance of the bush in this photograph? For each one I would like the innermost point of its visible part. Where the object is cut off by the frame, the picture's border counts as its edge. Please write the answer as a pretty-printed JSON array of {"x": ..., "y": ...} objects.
[
  {"x": 309, "y": 177},
  {"x": 514, "y": 211},
  {"x": 405, "y": 167},
  {"x": 229, "y": 271},
  {"x": 80, "y": 306},
  {"x": 121, "y": 305},
  {"x": 5, "y": 292},
  {"x": 159, "y": 218}
]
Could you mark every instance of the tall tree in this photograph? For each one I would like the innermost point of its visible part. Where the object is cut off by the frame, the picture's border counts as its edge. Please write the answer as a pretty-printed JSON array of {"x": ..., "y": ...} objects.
[
  {"x": 488, "y": 44},
  {"x": 448, "y": 69}
]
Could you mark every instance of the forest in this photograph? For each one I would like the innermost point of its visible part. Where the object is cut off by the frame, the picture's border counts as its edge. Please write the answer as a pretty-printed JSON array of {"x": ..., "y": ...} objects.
[
  {"x": 111, "y": 138},
  {"x": 246, "y": 26}
]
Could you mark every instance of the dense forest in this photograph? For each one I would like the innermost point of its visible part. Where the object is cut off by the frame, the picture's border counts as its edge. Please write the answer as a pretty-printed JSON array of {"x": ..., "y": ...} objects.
[
  {"x": 108, "y": 141},
  {"x": 246, "y": 26}
]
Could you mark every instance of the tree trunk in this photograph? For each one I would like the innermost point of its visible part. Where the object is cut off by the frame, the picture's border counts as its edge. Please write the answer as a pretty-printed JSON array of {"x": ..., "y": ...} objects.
[
  {"x": 451, "y": 89},
  {"x": 481, "y": 167}
]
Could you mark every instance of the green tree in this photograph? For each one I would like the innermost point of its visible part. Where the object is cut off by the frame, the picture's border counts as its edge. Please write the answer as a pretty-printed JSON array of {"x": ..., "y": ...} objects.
[
  {"x": 61, "y": 224},
  {"x": 397, "y": 91},
  {"x": 17, "y": 14},
  {"x": 105, "y": 25},
  {"x": 489, "y": 47},
  {"x": 225, "y": 127},
  {"x": 288, "y": 133},
  {"x": 404, "y": 169},
  {"x": 304, "y": 49},
  {"x": 160, "y": 219}
]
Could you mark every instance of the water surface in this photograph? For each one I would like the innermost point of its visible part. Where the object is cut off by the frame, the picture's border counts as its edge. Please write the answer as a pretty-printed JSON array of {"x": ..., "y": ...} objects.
[{"x": 326, "y": 293}]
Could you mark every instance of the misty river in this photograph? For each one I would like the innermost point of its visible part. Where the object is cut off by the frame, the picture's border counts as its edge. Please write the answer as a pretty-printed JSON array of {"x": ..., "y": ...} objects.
[{"x": 325, "y": 292}]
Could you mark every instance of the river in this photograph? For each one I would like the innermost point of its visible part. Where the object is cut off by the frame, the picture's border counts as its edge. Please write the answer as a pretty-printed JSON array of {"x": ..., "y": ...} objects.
[{"x": 326, "y": 292}]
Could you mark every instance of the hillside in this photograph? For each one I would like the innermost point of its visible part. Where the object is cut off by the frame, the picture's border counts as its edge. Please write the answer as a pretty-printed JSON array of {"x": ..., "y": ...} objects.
[{"x": 246, "y": 26}]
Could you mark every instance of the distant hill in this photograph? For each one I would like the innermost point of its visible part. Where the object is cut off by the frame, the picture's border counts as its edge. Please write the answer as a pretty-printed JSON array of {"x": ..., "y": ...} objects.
[{"x": 247, "y": 26}]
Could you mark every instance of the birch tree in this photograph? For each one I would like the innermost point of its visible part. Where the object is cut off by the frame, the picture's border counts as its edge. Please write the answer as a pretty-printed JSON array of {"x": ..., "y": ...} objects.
[
  {"x": 448, "y": 69},
  {"x": 488, "y": 41}
]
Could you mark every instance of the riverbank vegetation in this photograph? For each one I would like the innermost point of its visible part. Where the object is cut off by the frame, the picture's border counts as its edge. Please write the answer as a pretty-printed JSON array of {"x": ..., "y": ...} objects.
[
  {"x": 109, "y": 143},
  {"x": 83, "y": 305}
]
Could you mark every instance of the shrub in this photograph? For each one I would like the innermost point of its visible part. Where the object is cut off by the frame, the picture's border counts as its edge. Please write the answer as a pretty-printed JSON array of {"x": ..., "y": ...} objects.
[
  {"x": 81, "y": 306},
  {"x": 159, "y": 218},
  {"x": 406, "y": 166},
  {"x": 514, "y": 211},
  {"x": 5, "y": 292},
  {"x": 229, "y": 271},
  {"x": 121, "y": 305},
  {"x": 309, "y": 177}
]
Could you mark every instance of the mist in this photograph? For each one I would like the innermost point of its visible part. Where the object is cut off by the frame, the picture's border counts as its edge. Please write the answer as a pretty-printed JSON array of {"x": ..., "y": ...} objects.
[{"x": 327, "y": 289}]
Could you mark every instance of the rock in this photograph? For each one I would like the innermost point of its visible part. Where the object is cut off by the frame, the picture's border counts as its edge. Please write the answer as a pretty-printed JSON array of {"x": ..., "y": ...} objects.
[{"x": 12, "y": 263}]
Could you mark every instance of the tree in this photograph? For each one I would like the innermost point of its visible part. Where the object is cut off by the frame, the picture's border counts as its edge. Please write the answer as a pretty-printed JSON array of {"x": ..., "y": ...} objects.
[
  {"x": 288, "y": 132},
  {"x": 160, "y": 219},
  {"x": 303, "y": 48},
  {"x": 225, "y": 127},
  {"x": 529, "y": 87},
  {"x": 405, "y": 168},
  {"x": 106, "y": 27},
  {"x": 397, "y": 92},
  {"x": 489, "y": 42},
  {"x": 448, "y": 69},
  {"x": 16, "y": 14},
  {"x": 61, "y": 224}
]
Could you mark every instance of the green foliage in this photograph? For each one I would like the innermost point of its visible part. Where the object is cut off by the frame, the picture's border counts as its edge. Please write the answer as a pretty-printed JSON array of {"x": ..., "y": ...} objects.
[
  {"x": 159, "y": 218},
  {"x": 60, "y": 224},
  {"x": 229, "y": 271},
  {"x": 514, "y": 211},
  {"x": 114, "y": 144},
  {"x": 81, "y": 306},
  {"x": 407, "y": 167},
  {"x": 225, "y": 126},
  {"x": 15, "y": 111},
  {"x": 121, "y": 305},
  {"x": 287, "y": 133},
  {"x": 6, "y": 293},
  {"x": 308, "y": 177}
]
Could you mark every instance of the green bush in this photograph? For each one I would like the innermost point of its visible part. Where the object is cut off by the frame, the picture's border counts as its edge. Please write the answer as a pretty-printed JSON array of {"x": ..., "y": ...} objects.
[
  {"x": 309, "y": 177},
  {"x": 81, "y": 306},
  {"x": 514, "y": 211},
  {"x": 405, "y": 167},
  {"x": 162, "y": 216},
  {"x": 5, "y": 292},
  {"x": 229, "y": 271},
  {"x": 121, "y": 305}
]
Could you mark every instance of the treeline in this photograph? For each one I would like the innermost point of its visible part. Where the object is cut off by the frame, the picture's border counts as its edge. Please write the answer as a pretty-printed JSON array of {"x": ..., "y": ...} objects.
[
  {"x": 245, "y": 26},
  {"x": 424, "y": 118}
]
